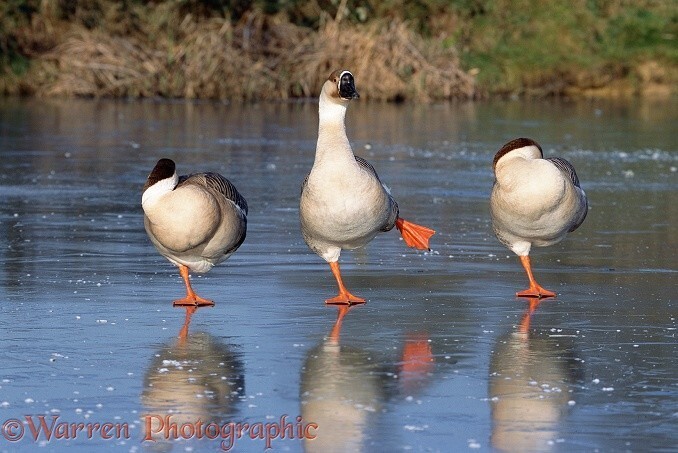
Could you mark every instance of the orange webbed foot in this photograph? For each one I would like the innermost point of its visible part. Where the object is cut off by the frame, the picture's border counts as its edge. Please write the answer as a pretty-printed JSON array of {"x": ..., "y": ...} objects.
[
  {"x": 536, "y": 291},
  {"x": 345, "y": 298},
  {"x": 193, "y": 301},
  {"x": 416, "y": 236},
  {"x": 417, "y": 356},
  {"x": 417, "y": 363}
]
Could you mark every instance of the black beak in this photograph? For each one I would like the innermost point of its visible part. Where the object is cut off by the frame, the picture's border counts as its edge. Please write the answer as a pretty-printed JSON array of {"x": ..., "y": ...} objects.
[{"x": 347, "y": 86}]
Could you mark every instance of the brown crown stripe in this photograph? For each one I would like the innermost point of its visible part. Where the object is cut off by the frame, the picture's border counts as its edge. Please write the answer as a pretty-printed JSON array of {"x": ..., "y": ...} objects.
[
  {"x": 334, "y": 77},
  {"x": 163, "y": 169},
  {"x": 515, "y": 144}
]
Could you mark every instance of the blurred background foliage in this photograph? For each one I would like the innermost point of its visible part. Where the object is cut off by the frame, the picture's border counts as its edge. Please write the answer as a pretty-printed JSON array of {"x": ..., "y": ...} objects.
[{"x": 507, "y": 47}]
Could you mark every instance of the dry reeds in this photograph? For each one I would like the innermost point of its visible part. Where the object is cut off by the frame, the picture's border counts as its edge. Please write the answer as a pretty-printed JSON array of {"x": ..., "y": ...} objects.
[
  {"x": 259, "y": 58},
  {"x": 92, "y": 64},
  {"x": 389, "y": 60}
]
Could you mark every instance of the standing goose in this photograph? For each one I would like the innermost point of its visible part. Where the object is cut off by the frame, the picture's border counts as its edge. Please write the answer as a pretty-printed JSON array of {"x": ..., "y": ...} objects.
[
  {"x": 343, "y": 204},
  {"x": 535, "y": 201},
  {"x": 195, "y": 221}
]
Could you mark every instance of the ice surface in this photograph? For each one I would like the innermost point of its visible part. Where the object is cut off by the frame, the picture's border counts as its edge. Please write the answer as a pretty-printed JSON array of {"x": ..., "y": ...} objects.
[{"x": 443, "y": 357}]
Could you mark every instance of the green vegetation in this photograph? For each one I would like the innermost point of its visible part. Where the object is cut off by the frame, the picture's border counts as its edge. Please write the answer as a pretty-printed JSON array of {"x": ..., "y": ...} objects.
[
  {"x": 534, "y": 47},
  {"x": 275, "y": 49}
]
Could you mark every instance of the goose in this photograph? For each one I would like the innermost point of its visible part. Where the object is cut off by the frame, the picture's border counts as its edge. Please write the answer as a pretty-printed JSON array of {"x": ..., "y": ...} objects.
[
  {"x": 344, "y": 204},
  {"x": 346, "y": 387},
  {"x": 193, "y": 377},
  {"x": 526, "y": 416},
  {"x": 195, "y": 221},
  {"x": 329, "y": 369},
  {"x": 534, "y": 201}
]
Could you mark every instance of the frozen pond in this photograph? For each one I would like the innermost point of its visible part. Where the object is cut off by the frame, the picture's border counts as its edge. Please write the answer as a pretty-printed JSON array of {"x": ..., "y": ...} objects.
[{"x": 441, "y": 358}]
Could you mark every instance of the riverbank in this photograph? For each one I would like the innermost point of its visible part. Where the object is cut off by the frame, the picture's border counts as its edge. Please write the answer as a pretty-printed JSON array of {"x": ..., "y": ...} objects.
[{"x": 213, "y": 50}]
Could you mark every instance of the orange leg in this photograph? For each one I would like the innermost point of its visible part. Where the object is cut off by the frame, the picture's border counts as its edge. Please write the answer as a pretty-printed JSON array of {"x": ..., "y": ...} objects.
[
  {"x": 191, "y": 297},
  {"x": 414, "y": 235},
  {"x": 535, "y": 290},
  {"x": 183, "y": 333},
  {"x": 336, "y": 329},
  {"x": 524, "y": 326},
  {"x": 344, "y": 297}
]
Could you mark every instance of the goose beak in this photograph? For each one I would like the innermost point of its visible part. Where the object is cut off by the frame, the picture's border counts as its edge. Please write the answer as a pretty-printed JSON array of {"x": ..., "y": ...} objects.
[{"x": 347, "y": 89}]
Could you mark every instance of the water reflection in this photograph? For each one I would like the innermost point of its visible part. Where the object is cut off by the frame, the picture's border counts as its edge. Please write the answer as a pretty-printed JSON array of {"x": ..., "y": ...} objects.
[
  {"x": 344, "y": 389},
  {"x": 532, "y": 377},
  {"x": 75, "y": 253},
  {"x": 194, "y": 377}
]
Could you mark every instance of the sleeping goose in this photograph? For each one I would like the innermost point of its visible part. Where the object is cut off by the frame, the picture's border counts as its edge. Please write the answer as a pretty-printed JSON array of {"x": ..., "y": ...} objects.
[
  {"x": 534, "y": 201},
  {"x": 195, "y": 221},
  {"x": 343, "y": 204}
]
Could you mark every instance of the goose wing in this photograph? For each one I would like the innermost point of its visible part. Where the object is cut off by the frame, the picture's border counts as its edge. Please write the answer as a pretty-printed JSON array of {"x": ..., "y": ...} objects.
[
  {"x": 566, "y": 167},
  {"x": 365, "y": 165},
  {"x": 568, "y": 170},
  {"x": 393, "y": 206},
  {"x": 219, "y": 184}
]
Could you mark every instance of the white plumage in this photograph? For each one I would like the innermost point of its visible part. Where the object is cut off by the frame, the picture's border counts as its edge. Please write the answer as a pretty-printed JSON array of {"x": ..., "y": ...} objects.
[
  {"x": 534, "y": 202},
  {"x": 343, "y": 203},
  {"x": 195, "y": 221}
]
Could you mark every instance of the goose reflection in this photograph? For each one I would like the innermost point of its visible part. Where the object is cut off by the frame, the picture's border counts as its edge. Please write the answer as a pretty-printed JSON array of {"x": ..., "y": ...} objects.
[
  {"x": 194, "y": 377},
  {"x": 344, "y": 389},
  {"x": 531, "y": 380}
]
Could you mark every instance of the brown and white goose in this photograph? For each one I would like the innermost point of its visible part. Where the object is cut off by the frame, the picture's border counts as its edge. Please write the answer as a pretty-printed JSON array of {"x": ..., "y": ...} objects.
[
  {"x": 534, "y": 201},
  {"x": 195, "y": 221},
  {"x": 343, "y": 204}
]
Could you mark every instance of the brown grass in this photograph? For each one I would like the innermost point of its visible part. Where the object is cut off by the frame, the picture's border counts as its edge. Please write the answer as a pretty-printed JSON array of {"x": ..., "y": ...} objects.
[{"x": 259, "y": 58}]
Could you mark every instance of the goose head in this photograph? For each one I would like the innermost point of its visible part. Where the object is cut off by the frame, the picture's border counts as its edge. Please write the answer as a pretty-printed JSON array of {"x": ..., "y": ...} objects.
[
  {"x": 520, "y": 147},
  {"x": 162, "y": 179},
  {"x": 337, "y": 91},
  {"x": 340, "y": 87}
]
